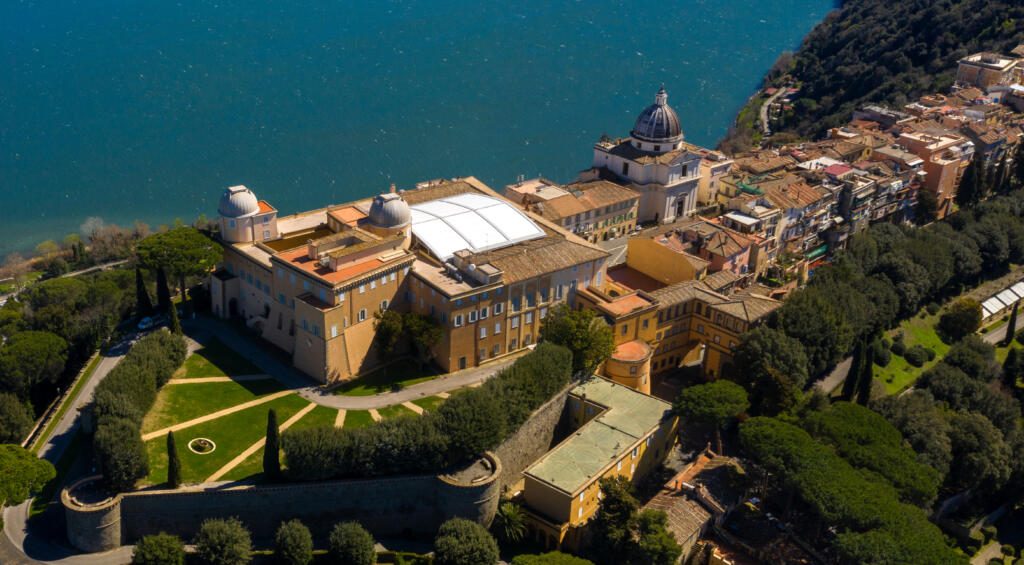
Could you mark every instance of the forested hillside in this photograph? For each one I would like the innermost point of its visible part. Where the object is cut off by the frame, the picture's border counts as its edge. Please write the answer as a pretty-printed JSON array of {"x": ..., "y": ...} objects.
[{"x": 879, "y": 51}]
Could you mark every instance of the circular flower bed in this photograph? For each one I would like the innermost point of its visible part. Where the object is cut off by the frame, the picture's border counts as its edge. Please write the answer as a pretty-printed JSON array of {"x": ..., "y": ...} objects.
[{"x": 201, "y": 446}]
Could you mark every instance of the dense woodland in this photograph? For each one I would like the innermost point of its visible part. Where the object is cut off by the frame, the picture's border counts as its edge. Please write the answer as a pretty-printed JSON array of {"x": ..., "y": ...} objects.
[{"x": 891, "y": 53}]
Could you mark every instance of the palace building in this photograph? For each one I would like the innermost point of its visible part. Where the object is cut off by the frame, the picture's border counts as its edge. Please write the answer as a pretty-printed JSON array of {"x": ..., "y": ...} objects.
[{"x": 484, "y": 269}]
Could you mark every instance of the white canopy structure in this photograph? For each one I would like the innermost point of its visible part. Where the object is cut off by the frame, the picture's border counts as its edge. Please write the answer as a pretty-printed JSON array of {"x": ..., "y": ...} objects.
[{"x": 470, "y": 221}]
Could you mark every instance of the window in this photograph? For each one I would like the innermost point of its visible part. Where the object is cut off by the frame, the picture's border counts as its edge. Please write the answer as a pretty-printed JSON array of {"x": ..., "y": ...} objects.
[
  {"x": 528, "y": 339},
  {"x": 384, "y": 280},
  {"x": 497, "y": 328},
  {"x": 558, "y": 292},
  {"x": 341, "y": 297},
  {"x": 498, "y": 308},
  {"x": 528, "y": 318},
  {"x": 625, "y": 329},
  {"x": 646, "y": 323},
  {"x": 383, "y": 305},
  {"x": 514, "y": 344},
  {"x": 305, "y": 325},
  {"x": 700, "y": 328},
  {"x": 462, "y": 362},
  {"x": 483, "y": 313},
  {"x": 373, "y": 284},
  {"x": 516, "y": 304},
  {"x": 266, "y": 234},
  {"x": 472, "y": 316},
  {"x": 618, "y": 466},
  {"x": 362, "y": 315},
  {"x": 334, "y": 330},
  {"x": 231, "y": 223},
  {"x": 362, "y": 288},
  {"x": 323, "y": 295},
  {"x": 581, "y": 497},
  {"x": 316, "y": 330},
  {"x": 280, "y": 298},
  {"x": 649, "y": 438},
  {"x": 531, "y": 300},
  {"x": 632, "y": 370},
  {"x": 496, "y": 350},
  {"x": 483, "y": 332},
  {"x": 457, "y": 321},
  {"x": 394, "y": 276},
  {"x": 625, "y": 169},
  {"x": 291, "y": 278},
  {"x": 657, "y": 148},
  {"x": 513, "y": 322},
  {"x": 543, "y": 313},
  {"x": 636, "y": 451},
  {"x": 305, "y": 285},
  {"x": 717, "y": 339}
]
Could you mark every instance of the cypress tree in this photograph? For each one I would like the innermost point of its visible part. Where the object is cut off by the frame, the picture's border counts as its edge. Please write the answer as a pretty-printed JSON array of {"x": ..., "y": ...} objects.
[
  {"x": 971, "y": 189},
  {"x": 175, "y": 323},
  {"x": 272, "y": 449},
  {"x": 173, "y": 463},
  {"x": 1018, "y": 169},
  {"x": 867, "y": 377},
  {"x": 143, "y": 304},
  {"x": 999, "y": 177},
  {"x": 1011, "y": 326},
  {"x": 853, "y": 376},
  {"x": 1013, "y": 368},
  {"x": 163, "y": 294}
]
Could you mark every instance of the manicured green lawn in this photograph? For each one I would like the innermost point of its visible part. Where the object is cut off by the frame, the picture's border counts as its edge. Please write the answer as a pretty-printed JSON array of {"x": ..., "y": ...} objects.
[
  {"x": 1002, "y": 352},
  {"x": 899, "y": 374},
  {"x": 395, "y": 411},
  {"x": 395, "y": 376},
  {"x": 252, "y": 468},
  {"x": 232, "y": 434},
  {"x": 216, "y": 360},
  {"x": 429, "y": 403},
  {"x": 358, "y": 419},
  {"x": 181, "y": 403}
]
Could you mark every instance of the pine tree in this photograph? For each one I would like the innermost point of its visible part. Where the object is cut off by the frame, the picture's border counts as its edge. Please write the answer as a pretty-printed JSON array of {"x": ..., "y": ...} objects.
[
  {"x": 175, "y": 323},
  {"x": 272, "y": 449},
  {"x": 163, "y": 294},
  {"x": 1011, "y": 326},
  {"x": 971, "y": 189},
  {"x": 173, "y": 463},
  {"x": 853, "y": 376},
  {"x": 867, "y": 377},
  {"x": 143, "y": 304}
]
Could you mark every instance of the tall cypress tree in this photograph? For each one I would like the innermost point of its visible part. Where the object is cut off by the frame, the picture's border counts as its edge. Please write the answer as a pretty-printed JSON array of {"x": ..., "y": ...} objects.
[
  {"x": 173, "y": 463},
  {"x": 867, "y": 377},
  {"x": 272, "y": 449},
  {"x": 163, "y": 294},
  {"x": 1011, "y": 326},
  {"x": 971, "y": 189},
  {"x": 175, "y": 322},
  {"x": 999, "y": 179},
  {"x": 853, "y": 377},
  {"x": 143, "y": 304}
]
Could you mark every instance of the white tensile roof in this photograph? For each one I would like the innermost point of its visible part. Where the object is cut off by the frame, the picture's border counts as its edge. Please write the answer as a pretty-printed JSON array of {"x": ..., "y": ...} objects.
[
  {"x": 1007, "y": 297},
  {"x": 470, "y": 221},
  {"x": 991, "y": 306}
]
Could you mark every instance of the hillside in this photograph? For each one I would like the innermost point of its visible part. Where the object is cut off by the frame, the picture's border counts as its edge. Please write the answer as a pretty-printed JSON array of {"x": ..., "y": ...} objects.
[{"x": 878, "y": 51}]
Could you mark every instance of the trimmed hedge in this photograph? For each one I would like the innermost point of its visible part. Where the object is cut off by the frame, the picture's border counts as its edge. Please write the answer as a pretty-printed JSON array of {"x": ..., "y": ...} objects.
[
  {"x": 466, "y": 425},
  {"x": 122, "y": 400},
  {"x": 916, "y": 356}
]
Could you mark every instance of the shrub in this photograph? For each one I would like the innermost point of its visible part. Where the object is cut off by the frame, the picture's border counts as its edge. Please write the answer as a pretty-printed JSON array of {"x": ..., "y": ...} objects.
[
  {"x": 898, "y": 347},
  {"x": 160, "y": 549},
  {"x": 16, "y": 419},
  {"x": 462, "y": 542},
  {"x": 351, "y": 544},
  {"x": 930, "y": 353},
  {"x": 989, "y": 533},
  {"x": 916, "y": 356},
  {"x": 466, "y": 425},
  {"x": 223, "y": 542},
  {"x": 974, "y": 542},
  {"x": 880, "y": 349},
  {"x": 1008, "y": 550},
  {"x": 122, "y": 400},
  {"x": 961, "y": 319},
  {"x": 550, "y": 558},
  {"x": 293, "y": 544},
  {"x": 933, "y": 308}
]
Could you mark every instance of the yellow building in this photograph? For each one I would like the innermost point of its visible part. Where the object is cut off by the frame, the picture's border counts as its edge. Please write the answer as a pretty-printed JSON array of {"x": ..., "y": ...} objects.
[
  {"x": 617, "y": 431},
  {"x": 595, "y": 210},
  {"x": 632, "y": 316},
  {"x": 485, "y": 270}
]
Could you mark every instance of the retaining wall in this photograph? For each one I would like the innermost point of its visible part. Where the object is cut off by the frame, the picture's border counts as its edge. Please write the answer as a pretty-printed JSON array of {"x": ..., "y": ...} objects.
[{"x": 533, "y": 439}]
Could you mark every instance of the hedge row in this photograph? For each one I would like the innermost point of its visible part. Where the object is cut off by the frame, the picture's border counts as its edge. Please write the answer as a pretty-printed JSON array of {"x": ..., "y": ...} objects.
[
  {"x": 122, "y": 400},
  {"x": 466, "y": 425}
]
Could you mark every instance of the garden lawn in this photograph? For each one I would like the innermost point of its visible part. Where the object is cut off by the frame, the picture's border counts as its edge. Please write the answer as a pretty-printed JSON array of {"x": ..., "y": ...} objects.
[
  {"x": 181, "y": 403},
  {"x": 252, "y": 468},
  {"x": 899, "y": 374},
  {"x": 358, "y": 419},
  {"x": 395, "y": 376},
  {"x": 429, "y": 403},
  {"x": 232, "y": 434},
  {"x": 216, "y": 360},
  {"x": 393, "y": 411}
]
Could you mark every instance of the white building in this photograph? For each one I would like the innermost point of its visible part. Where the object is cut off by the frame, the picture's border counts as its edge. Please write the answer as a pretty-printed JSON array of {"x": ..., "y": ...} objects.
[{"x": 654, "y": 161}]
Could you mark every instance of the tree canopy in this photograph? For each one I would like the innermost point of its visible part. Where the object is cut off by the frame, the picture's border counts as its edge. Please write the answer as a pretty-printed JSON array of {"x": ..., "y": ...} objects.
[
  {"x": 462, "y": 542},
  {"x": 583, "y": 332},
  {"x": 21, "y": 474},
  {"x": 713, "y": 403}
]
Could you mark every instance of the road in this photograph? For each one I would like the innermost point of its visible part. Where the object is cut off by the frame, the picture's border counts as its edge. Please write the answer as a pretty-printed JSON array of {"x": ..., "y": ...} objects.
[
  {"x": 617, "y": 248},
  {"x": 96, "y": 268},
  {"x": 17, "y": 541},
  {"x": 835, "y": 379},
  {"x": 764, "y": 110}
]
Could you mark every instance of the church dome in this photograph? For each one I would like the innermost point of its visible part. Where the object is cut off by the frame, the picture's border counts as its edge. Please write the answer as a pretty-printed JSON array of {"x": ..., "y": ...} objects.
[
  {"x": 237, "y": 202},
  {"x": 658, "y": 123},
  {"x": 389, "y": 211}
]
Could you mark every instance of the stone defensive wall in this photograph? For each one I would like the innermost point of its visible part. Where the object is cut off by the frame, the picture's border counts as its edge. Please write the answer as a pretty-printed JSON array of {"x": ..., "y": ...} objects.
[{"x": 387, "y": 506}]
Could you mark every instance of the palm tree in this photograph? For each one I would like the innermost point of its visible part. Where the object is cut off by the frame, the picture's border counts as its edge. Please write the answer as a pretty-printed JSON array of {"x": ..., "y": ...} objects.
[{"x": 510, "y": 522}]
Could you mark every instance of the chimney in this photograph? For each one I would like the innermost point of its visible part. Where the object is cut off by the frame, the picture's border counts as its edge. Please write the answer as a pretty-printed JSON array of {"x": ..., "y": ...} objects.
[{"x": 392, "y": 188}]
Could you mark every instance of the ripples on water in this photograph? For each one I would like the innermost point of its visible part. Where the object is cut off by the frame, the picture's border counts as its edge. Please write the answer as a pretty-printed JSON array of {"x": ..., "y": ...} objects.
[{"x": 148, "y": 109}]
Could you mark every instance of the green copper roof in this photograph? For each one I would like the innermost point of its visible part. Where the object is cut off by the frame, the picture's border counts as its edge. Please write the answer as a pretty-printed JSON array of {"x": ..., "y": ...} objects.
[{"x": 628, "y": 417}]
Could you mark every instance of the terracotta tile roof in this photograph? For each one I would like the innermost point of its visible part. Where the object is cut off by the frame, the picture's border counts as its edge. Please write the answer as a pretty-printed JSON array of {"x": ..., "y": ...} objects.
[
  {"x": 442, "y": 189},
  {"x": 266, "y": 207},
  {"x": 750, "y": 307},
  {"x": 797, "y": 195},
  {"x": 347, "y": 214},
  {"x": 538, "y": 257}
]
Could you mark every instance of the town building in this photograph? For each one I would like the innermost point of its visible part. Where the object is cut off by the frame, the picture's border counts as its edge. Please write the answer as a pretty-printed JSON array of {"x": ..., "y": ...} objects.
[
  {"x": 986, "y": 69},
  {"x": 595, "y": 210},
  {"x": 945, "y": 155},
  {"x": 615, "y": 432},
  {"x": 485, "y": 270},
  {"x": 656, "y": 162}
]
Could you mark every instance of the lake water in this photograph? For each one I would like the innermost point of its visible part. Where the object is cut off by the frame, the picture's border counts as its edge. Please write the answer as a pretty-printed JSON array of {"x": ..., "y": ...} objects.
[{"x": 148, "y": 109}]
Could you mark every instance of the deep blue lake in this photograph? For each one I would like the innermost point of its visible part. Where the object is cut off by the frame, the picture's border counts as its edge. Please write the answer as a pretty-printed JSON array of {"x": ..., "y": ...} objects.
[{"x": 148, "y": 109}]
